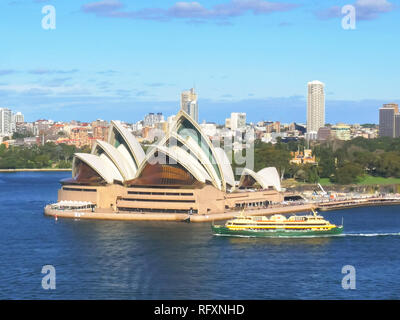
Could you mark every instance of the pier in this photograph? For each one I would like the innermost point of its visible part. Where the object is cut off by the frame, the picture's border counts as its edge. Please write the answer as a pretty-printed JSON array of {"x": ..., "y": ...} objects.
[{"x": 346, "y": 203}]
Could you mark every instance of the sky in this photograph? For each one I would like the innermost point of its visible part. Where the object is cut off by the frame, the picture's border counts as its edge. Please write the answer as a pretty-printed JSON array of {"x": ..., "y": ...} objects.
[{"x": 120, "y": 59}]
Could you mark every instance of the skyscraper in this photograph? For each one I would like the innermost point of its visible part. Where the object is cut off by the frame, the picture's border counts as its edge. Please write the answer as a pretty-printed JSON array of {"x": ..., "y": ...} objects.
[
  {"x": 315, "y": 106},
  {"x": 5, "y": 122},
  {"x": 388, "y": 118},
  {"x": 189, "y": 103}
]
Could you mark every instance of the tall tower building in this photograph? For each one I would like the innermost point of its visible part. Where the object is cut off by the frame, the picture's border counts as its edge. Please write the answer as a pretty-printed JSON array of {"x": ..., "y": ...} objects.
[
  {"x": 5, "y": 122},
  {"x": 389, "y": 121},
  {"x": 189, "y": 103},
  {"x": 315, "y": 106}
]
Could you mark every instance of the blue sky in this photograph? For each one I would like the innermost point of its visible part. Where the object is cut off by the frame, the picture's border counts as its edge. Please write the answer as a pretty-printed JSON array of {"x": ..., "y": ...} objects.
[{"x": 119, "y": 59}]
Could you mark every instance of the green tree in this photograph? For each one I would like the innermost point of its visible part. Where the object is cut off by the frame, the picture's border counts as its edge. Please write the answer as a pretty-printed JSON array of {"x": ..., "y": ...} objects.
[{"x": 348, "y": 173}]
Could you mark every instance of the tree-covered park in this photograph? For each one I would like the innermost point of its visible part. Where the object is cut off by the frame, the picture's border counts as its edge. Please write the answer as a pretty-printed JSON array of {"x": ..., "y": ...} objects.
[
  {"x": 49, "y": 155},
  {"x": 342, "y": 162}
]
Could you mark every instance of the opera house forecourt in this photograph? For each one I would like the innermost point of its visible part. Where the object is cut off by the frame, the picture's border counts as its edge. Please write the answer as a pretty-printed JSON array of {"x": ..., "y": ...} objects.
[{"x": 182, "y": 177}]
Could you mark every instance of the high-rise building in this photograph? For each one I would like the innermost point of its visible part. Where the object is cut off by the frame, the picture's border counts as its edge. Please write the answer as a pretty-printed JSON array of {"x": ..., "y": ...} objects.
[
  {"x": 387, "y": 120},
  {"x": 315, "y": 106},
  {"x": 18, "y": 117},
  {"x": 238, "y": 120},
  {"x": 189, "y": 103},
  {"x": 5, "y": 122}
]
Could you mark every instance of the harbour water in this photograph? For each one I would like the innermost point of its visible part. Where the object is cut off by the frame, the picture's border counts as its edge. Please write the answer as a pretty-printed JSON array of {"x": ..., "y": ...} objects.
[{"x": 174, "y": 260}]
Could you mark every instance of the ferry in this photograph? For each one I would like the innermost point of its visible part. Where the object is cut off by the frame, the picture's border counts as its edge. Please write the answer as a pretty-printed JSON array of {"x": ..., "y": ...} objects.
[{"x": 278, "y": 226}]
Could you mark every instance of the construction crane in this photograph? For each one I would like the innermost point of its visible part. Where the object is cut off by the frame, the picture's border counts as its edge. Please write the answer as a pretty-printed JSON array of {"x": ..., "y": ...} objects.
[{"x": 322, "y": 189}]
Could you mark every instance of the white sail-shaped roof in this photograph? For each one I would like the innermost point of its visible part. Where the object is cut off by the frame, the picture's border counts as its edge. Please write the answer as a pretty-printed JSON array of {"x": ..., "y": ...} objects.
[
  {"x": 226, "y": 166},
  {"x": 271, "y": 177},
  {"x": 183, "y": 158},
  {"x": 203, "y": 151},
  {"x": 125, "y": 168},
  {"x": 133, "y": 152},
  {"x": 183, "y": 126},
  {"x": 190, "y": 163},
  {"x": 267, "y": 177},
  {"x": 105, "y": 168},
  {"x": 196, "y": 151}
]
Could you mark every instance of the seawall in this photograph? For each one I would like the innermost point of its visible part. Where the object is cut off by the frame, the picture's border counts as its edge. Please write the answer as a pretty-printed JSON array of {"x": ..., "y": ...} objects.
[{"x": 48, "y": 211}]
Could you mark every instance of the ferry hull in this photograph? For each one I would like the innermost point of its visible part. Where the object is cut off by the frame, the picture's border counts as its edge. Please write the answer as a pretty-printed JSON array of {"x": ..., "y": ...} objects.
[{"x": 222, "y": 230}]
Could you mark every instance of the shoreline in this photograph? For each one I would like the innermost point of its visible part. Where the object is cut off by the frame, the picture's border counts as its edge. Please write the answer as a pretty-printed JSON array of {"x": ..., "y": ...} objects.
[
  {"x": 111, "y": 215},
  {"x": 34, "y": 170},
  {"x": 287, "y": 209}
]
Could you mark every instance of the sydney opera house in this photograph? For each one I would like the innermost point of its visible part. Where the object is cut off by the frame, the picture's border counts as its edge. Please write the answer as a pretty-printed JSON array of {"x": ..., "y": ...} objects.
[{"x": 183, "y": 173}]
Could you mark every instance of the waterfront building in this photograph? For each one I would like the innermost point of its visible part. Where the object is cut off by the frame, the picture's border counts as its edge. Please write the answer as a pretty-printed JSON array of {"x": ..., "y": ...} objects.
[
  {"x": 182, "y": 173},
  {"x": 238, "y": 120},
  {"x": 189, "y": 104},
  {"x": 387, "y": 120},
  {"x": 315, "y": 106}
]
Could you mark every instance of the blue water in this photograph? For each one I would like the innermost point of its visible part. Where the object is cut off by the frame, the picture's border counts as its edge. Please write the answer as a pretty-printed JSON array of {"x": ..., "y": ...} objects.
[{"x": 157, "y": 260}]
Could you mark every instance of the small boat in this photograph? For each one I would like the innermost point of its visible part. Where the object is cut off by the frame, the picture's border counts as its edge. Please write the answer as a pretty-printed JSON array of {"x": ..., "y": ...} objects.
[{"x": 278, "y": 226}]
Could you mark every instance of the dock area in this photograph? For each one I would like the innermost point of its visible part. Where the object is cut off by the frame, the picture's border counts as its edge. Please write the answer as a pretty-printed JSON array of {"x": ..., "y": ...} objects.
[
  {"x": 284, "y": 208},
  {"x": 353, "y": 202},
  {"x": 112, "y": 215}
]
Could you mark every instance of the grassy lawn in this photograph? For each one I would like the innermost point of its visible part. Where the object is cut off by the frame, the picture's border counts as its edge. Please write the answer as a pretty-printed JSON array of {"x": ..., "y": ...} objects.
[
  {"x": 367, "y": 180},
  {"x": 378, "y": 180},
  {"x": 325, "y": 182}
]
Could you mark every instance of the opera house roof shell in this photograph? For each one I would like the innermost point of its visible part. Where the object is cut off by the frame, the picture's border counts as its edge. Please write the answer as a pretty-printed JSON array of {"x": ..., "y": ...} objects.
[{"x": 184, "y": 156}]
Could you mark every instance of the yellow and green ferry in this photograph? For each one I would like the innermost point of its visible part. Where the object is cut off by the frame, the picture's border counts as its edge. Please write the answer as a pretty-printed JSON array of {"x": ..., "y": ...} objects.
[{"x": 278, "y": 226}]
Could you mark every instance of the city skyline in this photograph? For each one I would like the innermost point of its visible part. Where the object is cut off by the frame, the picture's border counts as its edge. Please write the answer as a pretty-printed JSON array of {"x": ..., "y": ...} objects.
[{"x": 106, "y": 59}]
